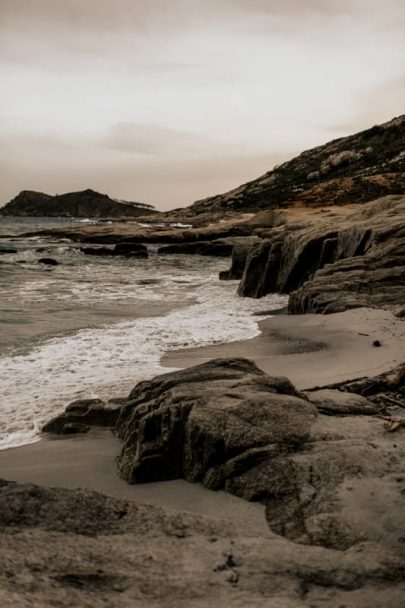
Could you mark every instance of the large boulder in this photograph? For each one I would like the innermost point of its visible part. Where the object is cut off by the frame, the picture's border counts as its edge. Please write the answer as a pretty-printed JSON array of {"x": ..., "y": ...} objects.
[{"x": 228, "y": 425}]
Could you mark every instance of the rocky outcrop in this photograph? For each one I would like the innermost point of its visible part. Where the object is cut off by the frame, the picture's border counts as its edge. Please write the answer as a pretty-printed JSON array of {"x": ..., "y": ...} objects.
[
  {"x": 239, "y": 256},
  {"x": 128, "y": 250},
  {"x": 62, "y": 547},
  {"x": 334, "y": 263},
  {"x": 358, "y": 168},
  {"x": 80, "y": 415},
  {"x": 86, "y": 203},
  {"x": 229, "y": 426}
]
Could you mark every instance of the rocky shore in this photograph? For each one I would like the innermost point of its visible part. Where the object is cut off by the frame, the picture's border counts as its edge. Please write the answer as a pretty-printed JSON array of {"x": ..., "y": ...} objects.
[{"x": 305, "y": 422}]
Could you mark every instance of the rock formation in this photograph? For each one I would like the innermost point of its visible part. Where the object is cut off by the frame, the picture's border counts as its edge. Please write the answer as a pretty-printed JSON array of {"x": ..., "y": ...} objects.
[
  {"x": 76, "y": 547},
  {"x": 230, "y": 426},
  {"x": 86, "y": 203},
  {"x": 332, "y": 263}
]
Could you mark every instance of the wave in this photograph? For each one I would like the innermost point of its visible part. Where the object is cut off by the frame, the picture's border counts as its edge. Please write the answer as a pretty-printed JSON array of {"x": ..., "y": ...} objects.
[{"x": 108, "y": 361}]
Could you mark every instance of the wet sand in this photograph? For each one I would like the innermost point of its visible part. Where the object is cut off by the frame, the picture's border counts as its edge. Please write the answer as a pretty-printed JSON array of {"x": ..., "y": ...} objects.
[{"x": 314, "y": 350}]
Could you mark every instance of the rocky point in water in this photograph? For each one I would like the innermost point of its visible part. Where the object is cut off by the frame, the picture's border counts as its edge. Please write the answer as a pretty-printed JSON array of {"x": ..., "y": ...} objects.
[{"x": 86, "y": 203}]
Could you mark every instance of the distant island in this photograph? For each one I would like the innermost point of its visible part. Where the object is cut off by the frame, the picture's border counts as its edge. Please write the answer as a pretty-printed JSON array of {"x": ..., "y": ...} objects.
[{"x": 85, "y": 203}]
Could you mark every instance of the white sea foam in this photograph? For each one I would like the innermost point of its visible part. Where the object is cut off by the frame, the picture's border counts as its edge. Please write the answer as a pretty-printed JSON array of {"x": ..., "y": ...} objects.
[{"x": 108, "y": 361}]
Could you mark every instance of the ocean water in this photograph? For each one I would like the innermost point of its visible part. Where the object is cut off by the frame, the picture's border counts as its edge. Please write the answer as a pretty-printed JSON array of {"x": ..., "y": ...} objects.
[{"x": 94, "y": 326}]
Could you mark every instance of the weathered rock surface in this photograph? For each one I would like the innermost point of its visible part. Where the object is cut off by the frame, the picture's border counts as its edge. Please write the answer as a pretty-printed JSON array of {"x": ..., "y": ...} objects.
[
  {"x": 229, "y": 426},
  {"x": 80, "y": 415},
  {"x": 64, "y": 547},
  {"x": 338, "y": 402},
  {"x": 333, "y": 263},
  {"x": 86, "y": 203}
]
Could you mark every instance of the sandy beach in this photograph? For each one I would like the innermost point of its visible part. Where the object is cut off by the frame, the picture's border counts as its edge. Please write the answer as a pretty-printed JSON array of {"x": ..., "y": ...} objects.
[
  {"x": 314, "y": 350},
  {"x": 311, "y": 350}
]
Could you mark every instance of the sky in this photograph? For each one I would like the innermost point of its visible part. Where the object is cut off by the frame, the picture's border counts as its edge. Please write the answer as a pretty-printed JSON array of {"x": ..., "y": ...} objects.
[{"x": 169, "y": 101}]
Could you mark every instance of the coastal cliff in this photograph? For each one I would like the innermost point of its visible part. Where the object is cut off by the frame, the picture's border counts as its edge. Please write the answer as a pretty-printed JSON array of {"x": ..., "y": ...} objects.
[
  {"x": 86, "y": 203},
  {"x": 353, "y": 169}
]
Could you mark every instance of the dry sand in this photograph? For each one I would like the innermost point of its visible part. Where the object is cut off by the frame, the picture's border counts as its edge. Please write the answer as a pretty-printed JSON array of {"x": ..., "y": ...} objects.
[{"x": 314, "y": 350}]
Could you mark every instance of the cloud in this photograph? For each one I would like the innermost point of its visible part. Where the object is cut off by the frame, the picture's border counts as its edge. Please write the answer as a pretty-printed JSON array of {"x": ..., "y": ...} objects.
[{"x": 50, "y": 164}]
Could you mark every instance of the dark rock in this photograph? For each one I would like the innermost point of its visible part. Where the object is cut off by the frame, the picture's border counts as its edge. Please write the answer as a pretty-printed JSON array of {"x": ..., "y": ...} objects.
[
  {"x": 131, "y": 249},
  {"x": 82, "y": 405},
  {"x": 83, "y": 413},
  {"x": 239, "y": 257},
  {"x": 376, "y": 343},
  {"x": 355, "y": 260},
  {"x": 4, "y": 250},
  {"x": 173, "y": 426},
  {"x": 135, "y": 251},
  {"x": 231, "y": 427},
  {"x": 48, "y": 262},
  {"x": 214, "y": 248},
  {"x": 74, "y": 428}
]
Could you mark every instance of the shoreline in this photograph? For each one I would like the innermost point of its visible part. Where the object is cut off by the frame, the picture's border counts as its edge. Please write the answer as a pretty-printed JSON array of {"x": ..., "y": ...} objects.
[
  {"x": 313, "y": 350},
  {"x": 309, "y": 349}
]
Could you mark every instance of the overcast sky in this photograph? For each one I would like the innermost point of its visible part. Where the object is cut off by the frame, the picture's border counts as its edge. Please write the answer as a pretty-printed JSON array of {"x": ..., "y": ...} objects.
[{"x": 169, "y": 101}]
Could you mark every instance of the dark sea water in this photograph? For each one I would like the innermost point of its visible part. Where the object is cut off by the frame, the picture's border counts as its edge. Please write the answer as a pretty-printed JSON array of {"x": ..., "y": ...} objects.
[{"x": 95, "y": 326}]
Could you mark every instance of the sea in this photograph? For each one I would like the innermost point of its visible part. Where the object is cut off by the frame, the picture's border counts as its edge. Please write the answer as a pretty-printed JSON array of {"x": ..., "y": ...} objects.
[{"x": 92, "y": 326}]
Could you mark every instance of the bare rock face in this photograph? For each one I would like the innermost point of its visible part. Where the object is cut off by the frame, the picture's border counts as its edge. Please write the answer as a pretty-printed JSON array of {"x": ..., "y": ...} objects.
[
  {"x": 231, "y": 427},
  {"x": 356, "y": 259}
]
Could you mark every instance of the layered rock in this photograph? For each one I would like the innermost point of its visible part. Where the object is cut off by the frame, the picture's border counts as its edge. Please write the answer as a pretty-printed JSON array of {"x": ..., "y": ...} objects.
[
  {"x": 330, "y": 264},
  {"x": 86, "y": 203},
  {"x": 230, "y": 426}
]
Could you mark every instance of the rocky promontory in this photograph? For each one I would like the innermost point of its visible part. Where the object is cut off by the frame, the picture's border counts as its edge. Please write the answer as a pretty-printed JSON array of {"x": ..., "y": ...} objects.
[
  {"x": 330, "y": 261},
  {"x": 86, "y": 203}
]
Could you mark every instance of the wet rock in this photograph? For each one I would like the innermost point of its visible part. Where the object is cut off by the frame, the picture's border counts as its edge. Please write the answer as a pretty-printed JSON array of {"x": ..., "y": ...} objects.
[
  {"x": 48, "y": 262},
  {"x": 239, "y": 257},
  {"x": 215, "y": 248},
  {"x": 131, "y": 249},
  {"x": 83, "y": 414}
]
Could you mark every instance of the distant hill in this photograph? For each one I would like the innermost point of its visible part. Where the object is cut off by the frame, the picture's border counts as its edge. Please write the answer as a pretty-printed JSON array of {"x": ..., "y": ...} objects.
[
  {"x": 86, "y": 203},
  {"x": 357, "y": 168}
]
